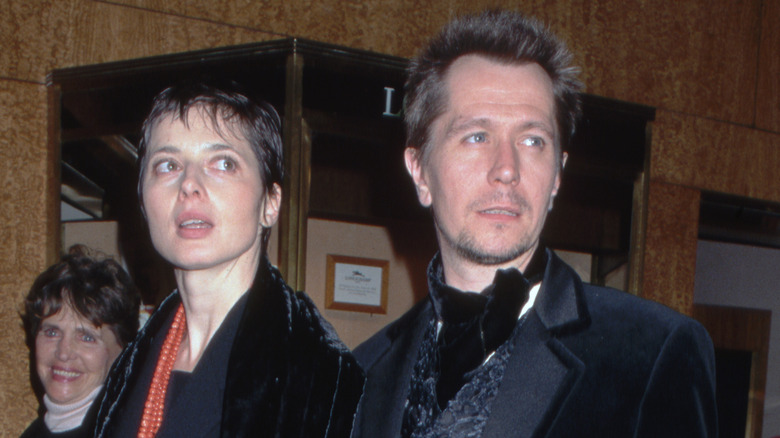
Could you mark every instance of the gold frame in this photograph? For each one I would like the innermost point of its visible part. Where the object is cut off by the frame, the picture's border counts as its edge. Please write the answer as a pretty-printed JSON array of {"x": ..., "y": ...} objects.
[{"x": 330, "y": 284}]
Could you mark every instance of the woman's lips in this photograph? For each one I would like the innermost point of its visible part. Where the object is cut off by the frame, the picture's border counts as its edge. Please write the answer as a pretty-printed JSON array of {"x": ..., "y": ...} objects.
[
  {"x": 193, "y": 226},
  {"x": 64, "y": 375},
  {"x": 194, "y": 223}
]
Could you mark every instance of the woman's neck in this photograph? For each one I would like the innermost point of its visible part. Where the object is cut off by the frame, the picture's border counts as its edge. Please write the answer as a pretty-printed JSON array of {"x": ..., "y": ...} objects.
[
  {"x": 60, "y": 418},
  {"x": 207, "y": 296}
]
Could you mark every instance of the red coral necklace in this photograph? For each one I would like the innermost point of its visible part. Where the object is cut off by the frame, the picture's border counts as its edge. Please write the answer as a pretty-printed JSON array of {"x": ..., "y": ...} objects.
[{"x": 155, "y": 399}]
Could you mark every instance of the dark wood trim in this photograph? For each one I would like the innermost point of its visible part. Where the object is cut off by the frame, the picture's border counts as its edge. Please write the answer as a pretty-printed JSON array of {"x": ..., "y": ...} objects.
[
  {"x": 53, "y": 180},
  {"x": 736, "y": 328}
]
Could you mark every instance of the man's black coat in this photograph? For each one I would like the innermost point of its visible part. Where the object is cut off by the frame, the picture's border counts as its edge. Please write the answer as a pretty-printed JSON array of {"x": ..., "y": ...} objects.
[{"x": 589, "y": 362}]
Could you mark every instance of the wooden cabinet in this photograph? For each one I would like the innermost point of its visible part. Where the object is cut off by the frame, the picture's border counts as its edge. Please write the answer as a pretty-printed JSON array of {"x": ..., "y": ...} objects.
[{"x": 343, "y": 144}]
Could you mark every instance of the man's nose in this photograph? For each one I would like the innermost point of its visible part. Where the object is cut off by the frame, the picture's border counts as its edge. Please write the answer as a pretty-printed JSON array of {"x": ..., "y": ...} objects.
[{"x": 505, "y": 166}]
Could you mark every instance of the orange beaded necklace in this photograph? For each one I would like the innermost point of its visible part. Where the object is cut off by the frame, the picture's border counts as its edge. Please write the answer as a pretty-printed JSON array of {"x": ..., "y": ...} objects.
[{"x": 155, "y": 400}]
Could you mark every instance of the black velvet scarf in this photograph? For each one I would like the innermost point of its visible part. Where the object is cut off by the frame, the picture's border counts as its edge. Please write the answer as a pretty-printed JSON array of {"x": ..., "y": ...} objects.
[{"x": 473, "y": 326}]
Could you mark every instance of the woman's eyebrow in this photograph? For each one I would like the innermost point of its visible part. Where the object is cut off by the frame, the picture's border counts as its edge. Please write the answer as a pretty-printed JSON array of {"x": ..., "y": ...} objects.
[
  {"x": 219, "y": 147},
  {"x": 88, "y": 331},
  {"x": 170, "y": 149},
  {"x": 166, "y": 150}
]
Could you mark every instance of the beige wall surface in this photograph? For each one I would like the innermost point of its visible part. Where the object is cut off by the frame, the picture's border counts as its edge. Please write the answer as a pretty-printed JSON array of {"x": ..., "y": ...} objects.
[
  {"x": 710, "y": 66},
  {"x": 407, "y": 281}
]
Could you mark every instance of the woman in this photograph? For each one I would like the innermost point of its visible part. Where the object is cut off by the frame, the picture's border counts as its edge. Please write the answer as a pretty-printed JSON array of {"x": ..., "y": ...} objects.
[
  {"x": 78, "y": 316},
  {"x": 233, "y": 351}
]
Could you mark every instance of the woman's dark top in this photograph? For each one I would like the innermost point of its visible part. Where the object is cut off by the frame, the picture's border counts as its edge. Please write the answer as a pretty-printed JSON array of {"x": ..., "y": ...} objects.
[
  {"x": 193, "y": 403},
  {"x": 38, "y": 429},
  {"x": 287, "y": 373}
]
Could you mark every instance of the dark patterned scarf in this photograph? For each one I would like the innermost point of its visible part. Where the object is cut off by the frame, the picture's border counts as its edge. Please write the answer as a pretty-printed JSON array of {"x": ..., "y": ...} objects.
[{"x": 473, "y": 326}]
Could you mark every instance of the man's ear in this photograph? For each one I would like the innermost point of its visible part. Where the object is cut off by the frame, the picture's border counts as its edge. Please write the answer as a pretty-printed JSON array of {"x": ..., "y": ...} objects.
[
  {"x": 270, "y": 206},
  {"x": 559, "y": 173},
  {"x": 413, "y": 159}
]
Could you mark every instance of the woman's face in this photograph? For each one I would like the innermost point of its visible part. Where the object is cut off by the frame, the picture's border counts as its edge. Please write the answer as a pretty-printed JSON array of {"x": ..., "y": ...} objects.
[
  {"x": 72, "y": 356},
  {"x": 203, "y": 194}
]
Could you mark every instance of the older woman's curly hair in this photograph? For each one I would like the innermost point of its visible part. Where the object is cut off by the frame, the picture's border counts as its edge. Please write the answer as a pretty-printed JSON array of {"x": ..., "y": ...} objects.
[{"x": 98, "y": 289}]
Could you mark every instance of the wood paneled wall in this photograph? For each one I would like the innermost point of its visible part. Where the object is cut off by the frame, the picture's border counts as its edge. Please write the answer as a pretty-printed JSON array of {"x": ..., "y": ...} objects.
[
  {"x": 709, "y": 66},
  {"x": 670, "y": 245}
]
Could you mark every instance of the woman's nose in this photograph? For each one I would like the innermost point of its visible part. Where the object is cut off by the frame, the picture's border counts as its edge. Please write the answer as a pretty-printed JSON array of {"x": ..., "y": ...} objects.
[
  {"x": 65, "y": 348},
  {"x": 191, "y": 184}
]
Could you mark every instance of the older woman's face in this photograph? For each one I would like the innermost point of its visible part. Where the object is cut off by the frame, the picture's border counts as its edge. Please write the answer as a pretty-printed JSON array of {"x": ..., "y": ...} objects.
[
  {"x": 72, "y": 356},
  {"x": 203, "y": 194}
]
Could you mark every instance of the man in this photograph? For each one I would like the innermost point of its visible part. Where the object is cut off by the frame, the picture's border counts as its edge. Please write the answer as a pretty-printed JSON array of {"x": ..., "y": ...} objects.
[{"x": 510, "y": 342}]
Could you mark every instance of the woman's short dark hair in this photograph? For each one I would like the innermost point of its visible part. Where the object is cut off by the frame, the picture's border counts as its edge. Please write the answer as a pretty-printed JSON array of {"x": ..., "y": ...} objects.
[
  {"x": 256, "y": 121},
  {"x": 101, "y": 291},
  {"x": 503, "y": 36}
]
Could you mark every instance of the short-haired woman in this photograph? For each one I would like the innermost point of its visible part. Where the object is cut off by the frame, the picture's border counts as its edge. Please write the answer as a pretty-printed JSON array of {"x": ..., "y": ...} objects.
[
  {"x": 233, "y": 351},
  {"x": 78, "y": 316}
]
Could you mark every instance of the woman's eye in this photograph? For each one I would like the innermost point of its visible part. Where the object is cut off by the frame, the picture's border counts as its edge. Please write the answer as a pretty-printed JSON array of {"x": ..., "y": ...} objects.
[
  {"x": 226, "y": 164},
  {"x": 87, "y": 338},
  {"x": 166, "y": 166},
  {"x": 49, "y": 333},
  {"x": 479, "y": 137}
]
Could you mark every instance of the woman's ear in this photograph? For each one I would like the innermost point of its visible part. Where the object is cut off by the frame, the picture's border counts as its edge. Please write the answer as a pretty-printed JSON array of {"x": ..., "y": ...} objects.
[{"x": 270, "y": 206}]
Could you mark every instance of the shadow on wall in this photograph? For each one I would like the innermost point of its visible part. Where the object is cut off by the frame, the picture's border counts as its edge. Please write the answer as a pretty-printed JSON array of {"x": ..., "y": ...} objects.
[{"x": 415, "y": 243}]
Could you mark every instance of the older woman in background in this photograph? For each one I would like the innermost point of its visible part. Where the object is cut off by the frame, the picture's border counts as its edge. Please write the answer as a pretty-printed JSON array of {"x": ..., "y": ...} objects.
[
  {"x": 78, "y": 316},
  {"x": 233, "y": 351}
]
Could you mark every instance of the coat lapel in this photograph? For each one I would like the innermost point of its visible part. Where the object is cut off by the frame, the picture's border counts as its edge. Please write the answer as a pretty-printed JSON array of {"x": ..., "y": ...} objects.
[
  {"x": 388, "y": 377},
  {"x": 541, "y": 371},
  {"x": 257, "y": 367},
  {"x": 127, "y": 369}
]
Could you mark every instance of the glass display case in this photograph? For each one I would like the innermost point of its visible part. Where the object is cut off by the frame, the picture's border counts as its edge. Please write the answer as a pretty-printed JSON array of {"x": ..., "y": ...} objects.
[{"x": 343, "y": 144}]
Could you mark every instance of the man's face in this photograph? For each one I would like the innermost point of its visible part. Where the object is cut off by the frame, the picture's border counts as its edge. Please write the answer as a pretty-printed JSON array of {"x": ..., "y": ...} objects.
[{"x": 491, "y": 171}]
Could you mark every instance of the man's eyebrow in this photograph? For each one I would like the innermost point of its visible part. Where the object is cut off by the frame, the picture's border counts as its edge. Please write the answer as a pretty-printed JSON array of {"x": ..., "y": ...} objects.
[
  {"x": 538, "y": 125},
  {"x": 460, "y": 124}
]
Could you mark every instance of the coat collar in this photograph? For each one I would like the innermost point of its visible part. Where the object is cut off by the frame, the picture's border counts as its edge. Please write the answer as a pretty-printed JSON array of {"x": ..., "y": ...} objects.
[
  {"x": 541, "y": 371},
  {"x": 282, "y": 349},
  {"x": 257, "y": 361},
  {"x": 540, "y": 374},
  {"x": 561, "y": 304},
  {"x": 126, "y": 370},
  {"x": 389, "y": 360}
]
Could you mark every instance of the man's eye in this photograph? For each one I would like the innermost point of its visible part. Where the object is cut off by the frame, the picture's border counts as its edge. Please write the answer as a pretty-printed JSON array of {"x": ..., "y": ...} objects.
[
  {"x": 166, "y": 166},
  {"x": 87, "y": 338},
  {"x": 49, "y": 332},
  {"x": 534, "y": 141},
  {"x": 479, "y": 137}
]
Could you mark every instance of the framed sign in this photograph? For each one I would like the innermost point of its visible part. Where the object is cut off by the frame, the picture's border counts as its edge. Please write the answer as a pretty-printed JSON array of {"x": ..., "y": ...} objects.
[{"x": 356, "y": 284}]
